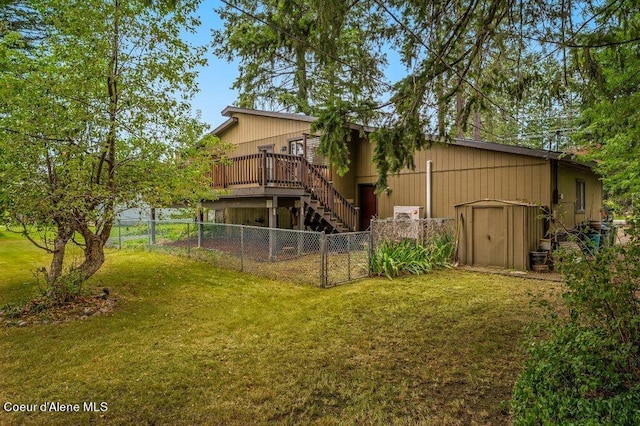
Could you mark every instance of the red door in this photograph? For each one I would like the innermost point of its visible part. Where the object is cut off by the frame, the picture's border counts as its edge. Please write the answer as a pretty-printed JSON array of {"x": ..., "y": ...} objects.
[{"x": 368, "y": 205}]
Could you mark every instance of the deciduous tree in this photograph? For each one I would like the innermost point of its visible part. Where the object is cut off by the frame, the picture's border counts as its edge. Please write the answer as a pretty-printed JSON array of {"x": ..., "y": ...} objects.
[{"x": 95, "y": 118}]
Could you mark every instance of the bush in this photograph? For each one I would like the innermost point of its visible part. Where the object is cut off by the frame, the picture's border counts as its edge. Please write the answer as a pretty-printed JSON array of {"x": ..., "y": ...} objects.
[
  {"x": 66, "y": 289},
  {"x": 586, "y": 370},
  {"x": 392, "y": 259}
]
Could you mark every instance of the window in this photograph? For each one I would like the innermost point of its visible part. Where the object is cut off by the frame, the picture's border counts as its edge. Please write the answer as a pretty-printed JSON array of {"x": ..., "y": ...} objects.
[
  {"x": 296, "y": 147},
  {"x": 580, "y": 196}
]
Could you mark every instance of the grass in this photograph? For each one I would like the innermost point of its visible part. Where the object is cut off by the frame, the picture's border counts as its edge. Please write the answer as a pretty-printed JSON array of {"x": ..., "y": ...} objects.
[{"x": 194, "y": 344}]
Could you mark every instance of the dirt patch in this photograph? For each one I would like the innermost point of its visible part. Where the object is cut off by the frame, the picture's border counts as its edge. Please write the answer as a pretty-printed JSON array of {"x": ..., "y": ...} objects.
[
  {"x": 45, "y": 311},
  {"x": 544, "y": 276}
]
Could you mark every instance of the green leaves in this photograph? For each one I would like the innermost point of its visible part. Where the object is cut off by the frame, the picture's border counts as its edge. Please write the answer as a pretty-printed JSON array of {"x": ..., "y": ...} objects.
[
  {"x": 393, "y": 259},
  {"x": 586, "y": 368},
  {"x": 96, "y": 117},
  {"x": 302, "y": 56}
]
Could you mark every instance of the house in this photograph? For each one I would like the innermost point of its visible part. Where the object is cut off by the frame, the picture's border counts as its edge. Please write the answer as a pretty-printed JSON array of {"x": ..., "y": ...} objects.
[{"x": 276, "y": 178}]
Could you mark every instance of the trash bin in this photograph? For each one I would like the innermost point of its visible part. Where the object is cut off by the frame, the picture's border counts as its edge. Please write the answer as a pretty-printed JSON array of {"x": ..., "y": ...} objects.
[{"x": 594, "y": 239}]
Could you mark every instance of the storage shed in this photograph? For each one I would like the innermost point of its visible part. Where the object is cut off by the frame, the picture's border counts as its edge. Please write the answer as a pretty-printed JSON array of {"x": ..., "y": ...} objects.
[{"x": 498, "y": 233}]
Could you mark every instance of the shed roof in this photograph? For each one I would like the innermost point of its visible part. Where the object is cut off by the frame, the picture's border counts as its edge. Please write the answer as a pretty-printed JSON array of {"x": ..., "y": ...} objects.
[{"x": 230, "y": 111}]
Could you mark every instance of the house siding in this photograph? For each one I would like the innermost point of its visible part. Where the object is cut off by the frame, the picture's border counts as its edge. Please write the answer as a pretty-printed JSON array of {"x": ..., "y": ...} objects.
[
  {"x": 566, "y": 214},
  {"x": 462, "y": 174},
  {"x": 252, "y": 132}
]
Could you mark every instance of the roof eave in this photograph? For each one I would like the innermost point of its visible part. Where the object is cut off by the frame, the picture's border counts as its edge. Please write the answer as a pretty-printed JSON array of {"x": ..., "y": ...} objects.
[
  {"x": 224, "y": 126},
  {"x": 230, "y": 110}
]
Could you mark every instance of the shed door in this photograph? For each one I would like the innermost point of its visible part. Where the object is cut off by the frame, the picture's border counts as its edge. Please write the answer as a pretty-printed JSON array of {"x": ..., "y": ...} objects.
[{"x": 488, "y": 236}]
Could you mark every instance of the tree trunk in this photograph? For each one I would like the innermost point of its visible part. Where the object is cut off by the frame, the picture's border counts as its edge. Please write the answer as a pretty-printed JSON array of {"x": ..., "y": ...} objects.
[
  {"x": 56, "y": 267},
  {"x": 94, "y": 245},
  {"x": 477, "y": 125},
  {"x": 64, "y": 287},
  {"x": 301, "y": 81},
  {"x": 459, "y": 113},
  {"x": 93, "y": 257}
]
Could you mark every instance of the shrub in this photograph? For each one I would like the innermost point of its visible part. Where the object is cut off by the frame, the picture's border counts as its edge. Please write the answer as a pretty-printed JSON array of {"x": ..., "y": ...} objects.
[
  {"x": 68, "y": 287},
  {"x": 392, "y": 259},
  {"x": 586, "y": 370}
]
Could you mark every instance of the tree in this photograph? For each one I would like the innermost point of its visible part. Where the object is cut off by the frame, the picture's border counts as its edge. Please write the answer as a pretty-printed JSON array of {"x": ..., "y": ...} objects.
[
  {"x": 17, "y": 17},
  {"x": 607, "y": 60},
  {"x": 299, "y": 55},
  {"x": 96, "y": 118}
]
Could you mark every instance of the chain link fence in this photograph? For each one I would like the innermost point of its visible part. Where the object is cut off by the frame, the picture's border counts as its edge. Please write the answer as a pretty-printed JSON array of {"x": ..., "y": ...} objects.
[
  {"x": 420, "y": 230},
  {"x": 298, "y": 256},
  {"x": 303, "y": 257}
]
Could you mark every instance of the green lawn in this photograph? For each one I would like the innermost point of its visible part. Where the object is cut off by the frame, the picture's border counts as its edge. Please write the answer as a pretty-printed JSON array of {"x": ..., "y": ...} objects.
[{"x": 194, "y": 344}]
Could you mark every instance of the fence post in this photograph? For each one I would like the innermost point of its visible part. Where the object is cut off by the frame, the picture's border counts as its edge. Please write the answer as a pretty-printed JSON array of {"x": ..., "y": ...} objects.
[
  {"x": 349, "y": 257},
  {"x": 149, "y": 234},
  {"x": 188, "y": 239},
  {"x": 241, "y": 248},
  {"x": 323, "y": 260},
  {"x": 371, "y": 248},
  {"x": 153, "y": 226},
  {"x": 119, "y": 234}
]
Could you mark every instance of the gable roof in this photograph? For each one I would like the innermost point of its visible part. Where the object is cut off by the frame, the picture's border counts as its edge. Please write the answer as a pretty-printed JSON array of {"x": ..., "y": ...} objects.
[
  {"x": 564, "y": 157},
  {"x": 229, "y": 111}
]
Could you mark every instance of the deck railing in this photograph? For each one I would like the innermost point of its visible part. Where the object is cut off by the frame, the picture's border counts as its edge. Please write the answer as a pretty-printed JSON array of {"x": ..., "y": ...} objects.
[{"x": 285, "y": 171}]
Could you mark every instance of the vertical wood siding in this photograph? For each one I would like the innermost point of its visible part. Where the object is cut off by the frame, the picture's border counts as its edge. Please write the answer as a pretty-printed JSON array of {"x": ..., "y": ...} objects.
[
  {"x": 252, "y": 128},
  {"x": 459, "y": 174},
  {"x": 566, "y": 209},
  {"x": 462, "y": 174}
]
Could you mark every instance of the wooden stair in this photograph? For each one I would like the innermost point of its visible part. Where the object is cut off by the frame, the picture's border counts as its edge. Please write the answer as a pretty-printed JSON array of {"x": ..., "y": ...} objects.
[{"x": 320, "y": 219}]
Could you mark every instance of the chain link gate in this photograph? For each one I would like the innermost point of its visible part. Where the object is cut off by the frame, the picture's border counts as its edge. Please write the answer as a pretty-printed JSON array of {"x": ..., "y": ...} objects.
[{"x": 346, "y": 257}]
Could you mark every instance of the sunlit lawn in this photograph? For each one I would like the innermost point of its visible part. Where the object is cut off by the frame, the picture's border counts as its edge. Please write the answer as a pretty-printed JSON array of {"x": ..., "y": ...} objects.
[{"x": 193, "y": 344}]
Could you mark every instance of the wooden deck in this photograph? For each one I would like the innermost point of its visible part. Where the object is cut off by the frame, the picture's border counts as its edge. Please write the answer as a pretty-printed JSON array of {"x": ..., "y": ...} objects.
[{"x": 268, "y": 174}]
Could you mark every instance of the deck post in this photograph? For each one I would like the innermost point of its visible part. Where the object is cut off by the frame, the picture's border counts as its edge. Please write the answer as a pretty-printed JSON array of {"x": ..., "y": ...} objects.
[
  {"x": 263, "y": 177},
  {"x": 272, "y": 205}
]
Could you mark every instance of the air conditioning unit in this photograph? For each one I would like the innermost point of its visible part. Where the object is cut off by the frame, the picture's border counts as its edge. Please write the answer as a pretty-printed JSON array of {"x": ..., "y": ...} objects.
[{"x": 407, "y": 212}]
